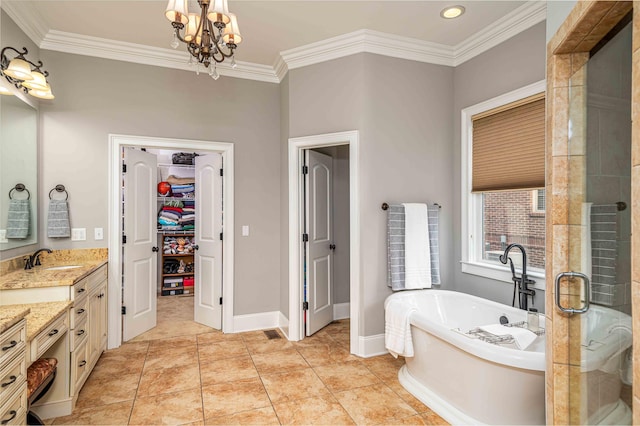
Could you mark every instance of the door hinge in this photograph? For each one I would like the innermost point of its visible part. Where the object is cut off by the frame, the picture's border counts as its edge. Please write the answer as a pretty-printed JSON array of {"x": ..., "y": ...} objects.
[
  {"x": 305, "y": 170},
  {"x": 221, "y": 236},
  {"x": 221, "y": 300},
  {"x": 124, "y": 239},
  {"x": 305, "y": 306},
  {"x": 124, "y": 168},
  {"x": 124, "y": 310},
  {"x": 221, "y": 172},
  {"x": 305, "y": 238}
]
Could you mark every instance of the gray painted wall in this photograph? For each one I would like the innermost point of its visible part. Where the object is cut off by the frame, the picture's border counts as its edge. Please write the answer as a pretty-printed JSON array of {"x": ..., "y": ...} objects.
[
  {"x": 284, "y": 201},
  {"x": 405, "y": 129},
  {"x": 515, "y": 63},
  {"x": 96, "y": 97},
  {"x": 341, "y": 218},
  {"x": 557, "y": 12}
]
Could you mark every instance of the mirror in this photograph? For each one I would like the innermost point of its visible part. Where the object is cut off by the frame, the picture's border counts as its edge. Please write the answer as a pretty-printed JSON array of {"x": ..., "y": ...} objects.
[{"x": 18, "y": 165}]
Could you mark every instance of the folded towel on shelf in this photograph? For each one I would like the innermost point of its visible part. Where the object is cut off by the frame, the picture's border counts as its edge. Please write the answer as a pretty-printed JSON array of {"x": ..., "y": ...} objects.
[
  {"x": 175, "y": 180},
  {"x": 18, "y": 219},
  {"x": 417, "y": 254},
  {"x": 170, "y": 215},
  {"x": 167, "y": 222},
  {"x": 523, "y": 337},
  {"x": 180, "y": 189},
  {"x": 58, "y": 219},
  {"x": 397, "y": 328},
  {"x": 172, "y": 209}
]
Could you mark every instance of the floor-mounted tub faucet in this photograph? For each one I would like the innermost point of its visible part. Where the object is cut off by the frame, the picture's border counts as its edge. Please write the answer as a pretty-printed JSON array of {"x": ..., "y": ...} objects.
[{"x": 521, "y": 284}]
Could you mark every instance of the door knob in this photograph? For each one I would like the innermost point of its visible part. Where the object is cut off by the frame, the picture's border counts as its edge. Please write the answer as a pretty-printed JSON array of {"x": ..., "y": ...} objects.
[
  {"x": 332, "y": 246},
  {"x": 155, "y": 249},
  {"x": 196, "y": 247}
]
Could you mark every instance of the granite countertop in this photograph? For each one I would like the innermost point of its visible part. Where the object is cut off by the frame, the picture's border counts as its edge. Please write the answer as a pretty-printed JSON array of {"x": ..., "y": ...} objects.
[
  {"x": 40, "y": 276},
  {"x": 39, "y": 315},
  {"x": 10, "y": 315}
]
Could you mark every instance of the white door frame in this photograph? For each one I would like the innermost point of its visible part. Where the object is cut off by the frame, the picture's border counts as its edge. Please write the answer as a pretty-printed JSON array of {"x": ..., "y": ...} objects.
[
  {"x": 296, "y": 146},
  {"x": 116, "y": 143}
]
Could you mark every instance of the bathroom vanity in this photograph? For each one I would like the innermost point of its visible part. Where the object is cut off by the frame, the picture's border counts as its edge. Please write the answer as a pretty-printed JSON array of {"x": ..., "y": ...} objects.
[{"x": 66, "y": 319}]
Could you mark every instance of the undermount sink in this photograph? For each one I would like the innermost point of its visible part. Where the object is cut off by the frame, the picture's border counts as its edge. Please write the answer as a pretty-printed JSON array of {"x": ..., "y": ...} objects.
[{"x": 62, "y": 268}]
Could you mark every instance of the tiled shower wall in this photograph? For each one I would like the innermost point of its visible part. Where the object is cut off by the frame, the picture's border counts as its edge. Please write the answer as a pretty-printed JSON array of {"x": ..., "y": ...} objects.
[{"x": 567, "y": 54}]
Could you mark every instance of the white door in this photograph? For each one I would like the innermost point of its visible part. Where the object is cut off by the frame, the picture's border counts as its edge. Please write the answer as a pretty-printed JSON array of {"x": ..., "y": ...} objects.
[
  {"x": 208, "y": 257},
  {"x": 139, "y": 259},
  {"x": 319, "y": 226}
]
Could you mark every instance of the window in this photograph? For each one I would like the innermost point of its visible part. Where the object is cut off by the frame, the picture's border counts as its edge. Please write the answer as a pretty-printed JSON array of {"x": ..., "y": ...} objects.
[{"x": 503, "y": 202}]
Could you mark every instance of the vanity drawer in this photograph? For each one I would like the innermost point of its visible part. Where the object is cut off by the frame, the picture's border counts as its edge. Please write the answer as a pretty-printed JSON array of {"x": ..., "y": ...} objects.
[
  {"x": 49, "y": 335},
  {"x": 79, "y": 334},
  {"x": 79, "y": 366},
  {"x": 79, "y": 312},
  {"x": 79, "y": 290},
  {"x": 12, "y": 342},
  {"x": 15, "y": 411},
  {"x": 96, "y": 277},
  {"x": 12, "y": 377}
]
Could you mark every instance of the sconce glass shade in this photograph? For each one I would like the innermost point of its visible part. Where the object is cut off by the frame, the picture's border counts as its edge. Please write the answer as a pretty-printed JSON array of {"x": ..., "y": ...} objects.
[
  {"x": 38, "y": 81},
  {"x": 177, "y": 11},
  {"x": 42, "y": 94},
  {"x": 231, "y": 33},
  {"x": 191, "y": 29},
  {"x": 19, "y": 69},
  {"x": 219, "y": 11}
]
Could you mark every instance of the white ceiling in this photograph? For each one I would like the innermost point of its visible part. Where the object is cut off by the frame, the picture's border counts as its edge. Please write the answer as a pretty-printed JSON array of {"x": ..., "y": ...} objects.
[{"x": 279, "y": 35}]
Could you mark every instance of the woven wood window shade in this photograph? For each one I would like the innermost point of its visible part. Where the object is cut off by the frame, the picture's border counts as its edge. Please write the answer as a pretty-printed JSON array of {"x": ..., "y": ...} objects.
[{"x": 508, "y": 146}]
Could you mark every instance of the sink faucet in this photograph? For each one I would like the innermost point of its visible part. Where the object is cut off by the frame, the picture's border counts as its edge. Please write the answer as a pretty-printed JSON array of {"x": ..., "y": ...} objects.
[
  {"x": 34, "y": 259},
  {"x": 520, "y": 283}
]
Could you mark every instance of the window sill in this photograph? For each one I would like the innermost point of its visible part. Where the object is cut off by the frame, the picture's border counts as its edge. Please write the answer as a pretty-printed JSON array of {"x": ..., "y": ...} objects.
[{"x": 498, "y": 273}]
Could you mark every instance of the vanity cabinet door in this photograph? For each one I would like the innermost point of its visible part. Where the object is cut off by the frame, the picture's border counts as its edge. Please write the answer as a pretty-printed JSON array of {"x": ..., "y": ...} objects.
[{"x": 97, "y": 321}]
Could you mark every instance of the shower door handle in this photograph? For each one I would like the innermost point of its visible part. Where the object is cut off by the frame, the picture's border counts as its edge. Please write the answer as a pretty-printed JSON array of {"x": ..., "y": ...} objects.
[{"x": 587, "y": 292}]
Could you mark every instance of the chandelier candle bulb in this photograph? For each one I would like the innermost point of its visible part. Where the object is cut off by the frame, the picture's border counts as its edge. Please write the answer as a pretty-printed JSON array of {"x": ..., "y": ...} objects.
[
  {"x": 219, "y": 12},
  {"x": 177, "y": 11}
]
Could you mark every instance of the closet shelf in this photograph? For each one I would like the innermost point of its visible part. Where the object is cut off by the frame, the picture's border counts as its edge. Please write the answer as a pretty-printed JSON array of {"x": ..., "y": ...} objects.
[
  {"x": 179, "y": 275},
  {"x": 168, "y": 232},
  {"x": 184, "y": 166},
  {"x": 177, "y": 255}
]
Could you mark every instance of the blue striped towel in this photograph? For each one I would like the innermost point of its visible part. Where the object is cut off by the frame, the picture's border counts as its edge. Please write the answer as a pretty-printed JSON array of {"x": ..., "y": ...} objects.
[{"x": 395, "y": 245}]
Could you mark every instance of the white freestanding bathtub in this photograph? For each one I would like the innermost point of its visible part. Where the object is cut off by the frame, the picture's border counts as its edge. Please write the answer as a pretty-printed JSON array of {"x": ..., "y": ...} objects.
[{"x": 466, "y": 380}]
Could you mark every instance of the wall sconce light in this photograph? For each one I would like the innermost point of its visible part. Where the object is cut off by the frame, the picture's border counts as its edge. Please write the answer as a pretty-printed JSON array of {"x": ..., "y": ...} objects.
[{"x": 25, "y": 74}]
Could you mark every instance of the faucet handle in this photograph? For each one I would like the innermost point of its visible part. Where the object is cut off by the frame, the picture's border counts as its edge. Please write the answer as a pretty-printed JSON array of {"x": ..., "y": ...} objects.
[
  {"x": 37, "y": 263},
  {"x": 27, "y": 263}
]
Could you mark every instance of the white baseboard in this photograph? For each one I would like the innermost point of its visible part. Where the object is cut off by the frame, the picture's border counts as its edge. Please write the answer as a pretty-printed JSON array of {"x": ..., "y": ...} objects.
[
  {"x": 49, "y": 410},
  {"x": 341, "y": 310},
  {"x": 251, "y": 322},
  {"x": 369, "y": 346},
  {"x": 283, "y": 325}
]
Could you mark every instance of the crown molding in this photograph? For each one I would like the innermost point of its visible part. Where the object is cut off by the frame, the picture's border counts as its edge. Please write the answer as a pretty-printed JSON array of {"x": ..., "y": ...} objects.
[
  {"x": 362, "y": 41},
  {"x": 141, "y": 54},
  {"x": 370, "y": 42},
  {"x": 27, "y": 17},
  {"x": 521, "y": 19}
]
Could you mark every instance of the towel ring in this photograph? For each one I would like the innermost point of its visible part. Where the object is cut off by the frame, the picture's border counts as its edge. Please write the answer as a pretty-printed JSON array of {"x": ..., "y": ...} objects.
[
  {"x": 59, "y": 188},
  {"x": 19, "y": 187}
]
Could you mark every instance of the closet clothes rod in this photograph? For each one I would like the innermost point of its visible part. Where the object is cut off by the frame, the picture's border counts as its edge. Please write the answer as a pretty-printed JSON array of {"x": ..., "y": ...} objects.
[{"x": 385, "y": 206}]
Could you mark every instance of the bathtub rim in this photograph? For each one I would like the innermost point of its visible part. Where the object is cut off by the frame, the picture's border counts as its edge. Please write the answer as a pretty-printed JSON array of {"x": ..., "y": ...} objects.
[{"x": 517, "y": 358}]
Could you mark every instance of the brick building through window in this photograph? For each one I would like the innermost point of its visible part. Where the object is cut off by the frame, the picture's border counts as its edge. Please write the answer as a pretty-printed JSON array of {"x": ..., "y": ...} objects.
[{"x": 514, "y": 217}]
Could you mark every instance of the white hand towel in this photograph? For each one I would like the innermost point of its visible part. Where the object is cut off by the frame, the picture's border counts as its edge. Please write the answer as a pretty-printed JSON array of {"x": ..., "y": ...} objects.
[
  {"x": 522, "y": 336},
  {"x": 397, "y": 328},
  {"x": 417, "y": 264}
]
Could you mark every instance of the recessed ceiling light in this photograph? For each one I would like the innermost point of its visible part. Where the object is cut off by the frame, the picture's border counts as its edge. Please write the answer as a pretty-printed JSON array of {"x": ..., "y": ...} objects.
[{"x": 452, "y": 12}]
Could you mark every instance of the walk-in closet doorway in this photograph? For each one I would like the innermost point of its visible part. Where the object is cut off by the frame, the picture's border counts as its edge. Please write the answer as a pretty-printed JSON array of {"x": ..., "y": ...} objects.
[{"x": 125, "y": 201}]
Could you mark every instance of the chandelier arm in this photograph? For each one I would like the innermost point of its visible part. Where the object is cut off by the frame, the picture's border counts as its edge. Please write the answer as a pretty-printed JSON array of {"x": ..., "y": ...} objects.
[{"x": 177, "y": 30}]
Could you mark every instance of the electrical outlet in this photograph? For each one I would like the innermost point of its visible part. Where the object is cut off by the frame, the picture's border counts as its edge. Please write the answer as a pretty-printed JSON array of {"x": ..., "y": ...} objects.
[
  {"x": 78, "y": 234},
  {"x": 98, "y": 234}
]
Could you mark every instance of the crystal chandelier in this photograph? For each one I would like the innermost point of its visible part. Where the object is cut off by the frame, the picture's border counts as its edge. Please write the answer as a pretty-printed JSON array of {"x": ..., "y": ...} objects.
[
  {"x": 211, "y": 36},
  {"x": 25, "y": 74}
]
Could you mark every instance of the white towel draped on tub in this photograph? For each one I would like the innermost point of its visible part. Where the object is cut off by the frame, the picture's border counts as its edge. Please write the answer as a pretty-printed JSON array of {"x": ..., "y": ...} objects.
[
  {"x": 397, "y": 328},
  {"x": 417, "y": 266},
  {"x": 522, "y": 336}
]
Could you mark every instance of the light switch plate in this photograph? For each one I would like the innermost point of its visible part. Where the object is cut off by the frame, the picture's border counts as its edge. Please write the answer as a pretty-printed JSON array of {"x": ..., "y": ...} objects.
[
  {"x": 98, "y": 234},
  {"x": 78, "y": 234},
  {"x": 245, "y": 230},
  {"x": 3, "y": 236}
]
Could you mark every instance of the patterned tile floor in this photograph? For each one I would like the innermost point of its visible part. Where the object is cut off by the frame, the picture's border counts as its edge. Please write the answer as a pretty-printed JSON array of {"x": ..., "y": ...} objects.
[{"x": 180, "y": 373}]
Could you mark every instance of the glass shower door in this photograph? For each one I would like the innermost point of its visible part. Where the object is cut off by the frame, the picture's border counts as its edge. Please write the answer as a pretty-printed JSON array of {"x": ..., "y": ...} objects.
[{"x": 596, "y": 291}]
